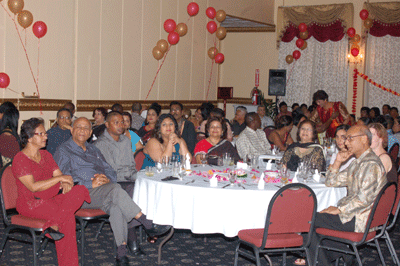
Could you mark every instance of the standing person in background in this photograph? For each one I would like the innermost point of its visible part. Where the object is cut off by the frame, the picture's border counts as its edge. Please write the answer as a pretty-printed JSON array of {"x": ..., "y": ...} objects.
[
  {"x": 265, "y": 120},
  {"x": 137, "y": 119},
  {"x": 61, "y": 133},
  {"x": 239, "y": 122},
  {"x": 186, "y": 128},
  {"x": 9, "y": 139},
  {"x": 328, "y": 115}
]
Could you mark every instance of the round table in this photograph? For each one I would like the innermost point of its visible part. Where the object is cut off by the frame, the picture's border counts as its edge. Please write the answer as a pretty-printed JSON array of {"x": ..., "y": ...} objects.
[{"x": 192, "y": 204}]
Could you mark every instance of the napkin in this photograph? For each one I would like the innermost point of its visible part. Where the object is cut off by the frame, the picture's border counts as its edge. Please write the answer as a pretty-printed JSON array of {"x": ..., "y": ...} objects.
[
  {"x": 295, "y": 180},
  {"x": 268, "y": 166},
  {"x": 316, "y": 176},
  {"x": 261, "y": 182},
  {"x": 214, "y": 181},
  {"x": 241, "y": 165},
  {"x": 187, "y": 162}
]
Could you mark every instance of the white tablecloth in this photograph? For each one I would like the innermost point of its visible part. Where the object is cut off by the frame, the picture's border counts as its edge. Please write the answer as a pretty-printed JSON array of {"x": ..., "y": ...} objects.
[{"x": 205, "y": 210}]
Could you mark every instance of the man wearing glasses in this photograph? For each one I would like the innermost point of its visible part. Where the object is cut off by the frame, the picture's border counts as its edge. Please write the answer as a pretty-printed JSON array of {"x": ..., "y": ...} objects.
[
  {"x": 61, "y": 133},
  {"x": 364, "y": 178}
]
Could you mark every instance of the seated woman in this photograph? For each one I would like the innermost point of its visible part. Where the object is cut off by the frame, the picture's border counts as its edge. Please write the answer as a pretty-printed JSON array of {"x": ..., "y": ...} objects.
[
  {"x": 220, "y": 114},
  {"x": 165, "y": 141},
  {"x": 305, "y": 150},
  {"x": 280, "y": 137},
  {"x": 98, "y": 127},
  {"x": 216, "y": 142},
  {"x": 135, "y": 139},
  {"x": 9, "y": 139},
  {"x": 378, "y": 143},
  {"x": 45, "y": 193},
  {"x": 340, "y": 139},
  {"x": 145, "y": 132}
]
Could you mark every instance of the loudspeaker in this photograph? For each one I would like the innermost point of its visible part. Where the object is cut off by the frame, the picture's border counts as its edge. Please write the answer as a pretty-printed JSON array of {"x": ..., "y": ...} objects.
[
  {"x": 225, "y": 93},
  {"x": 277, "y": 82}
]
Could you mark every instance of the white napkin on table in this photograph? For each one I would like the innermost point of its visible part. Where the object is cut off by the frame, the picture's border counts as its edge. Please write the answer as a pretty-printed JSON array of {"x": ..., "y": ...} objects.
[
  {"x": 241, "y": 165},
  {"x": 316, "y": 176},
  {"x": 268, "y": 166},
  {"x": 214, "y": 181},
  {"x": 295, "y": 180},
  {"x": 187, "y": 162},
  {"x": 261, "y": 182}
]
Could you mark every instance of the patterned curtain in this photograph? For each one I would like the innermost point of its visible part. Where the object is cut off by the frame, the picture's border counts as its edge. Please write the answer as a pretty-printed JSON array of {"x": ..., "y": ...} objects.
[{"x": 322, "y": 66}]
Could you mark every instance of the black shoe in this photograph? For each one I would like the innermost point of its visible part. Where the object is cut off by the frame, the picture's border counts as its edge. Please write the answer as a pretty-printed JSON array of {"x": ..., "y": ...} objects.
[
  {"x": 135, "y": 250},
  {"x": 123, "y": 261},
  {"x": 55, "y": 235},
  {"x": 157, "y": 230}
]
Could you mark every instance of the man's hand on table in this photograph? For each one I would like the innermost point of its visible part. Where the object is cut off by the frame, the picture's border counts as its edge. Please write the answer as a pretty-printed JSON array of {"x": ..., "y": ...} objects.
[
  {"x": 331, "y": 210},
  {"x": 99, "y": 180}
]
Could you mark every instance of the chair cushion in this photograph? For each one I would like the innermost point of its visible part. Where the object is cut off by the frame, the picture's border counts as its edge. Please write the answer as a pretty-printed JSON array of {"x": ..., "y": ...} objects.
[
  {"x": 352, "y": 236},
  {"x": 89, "y": 213},
  {"x": 255, "y": 237},
  {"x": 27, "y": 221}
]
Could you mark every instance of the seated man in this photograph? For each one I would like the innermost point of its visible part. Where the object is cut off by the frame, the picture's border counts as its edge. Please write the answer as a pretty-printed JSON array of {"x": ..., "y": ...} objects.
[
  {"x": 252, "y": 140},
  {"x": 364, "y": 178},
  {"x": 87, "y": 166},
  {"x": 61, "y": 132},
  {"x": 239, "y": 122},
  {"x": 117, "y": 150},
  {"x": 137, "y": 119},
  {"x": 265, "y": 120}
]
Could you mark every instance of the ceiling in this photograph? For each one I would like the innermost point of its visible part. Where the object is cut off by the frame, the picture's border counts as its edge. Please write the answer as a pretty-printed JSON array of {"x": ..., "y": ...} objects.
[{"x": 237, "y": 24}]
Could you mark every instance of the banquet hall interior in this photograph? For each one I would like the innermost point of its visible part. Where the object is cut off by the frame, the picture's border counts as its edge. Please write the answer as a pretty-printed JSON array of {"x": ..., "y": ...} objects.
[{"x": 95, "y": 53}]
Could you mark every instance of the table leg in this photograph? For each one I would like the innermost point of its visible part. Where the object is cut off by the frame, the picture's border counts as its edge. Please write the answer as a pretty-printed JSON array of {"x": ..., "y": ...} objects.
[{"x": 166, "y": 238}]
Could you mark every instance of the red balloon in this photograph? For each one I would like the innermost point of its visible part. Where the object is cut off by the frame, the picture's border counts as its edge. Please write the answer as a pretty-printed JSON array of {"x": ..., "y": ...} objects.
[
  {"x": 39, "y": 28},
  {"x": 219, "y": 58},
  {"x": 210, "y": 12},
  {"x": 193, "y": 9},
  {"x": 4, "y": 80},
  {"x": 211, "y": 27},
  {"x": 299, "y": 43},
  {"x": 169, "y": 25},
  {"x": 351, "y": 32},
  {"x": 364, "y": 14},
  {"x": 173, "y": 38},
  {"x": 296, "y": 54},
  {"x": 355, "y": 52},
  {"x": 302, "y": 27}
]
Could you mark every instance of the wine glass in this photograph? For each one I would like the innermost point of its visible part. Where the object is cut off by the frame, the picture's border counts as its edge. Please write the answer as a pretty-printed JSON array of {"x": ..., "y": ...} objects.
[{"x": 232, "y": 177}]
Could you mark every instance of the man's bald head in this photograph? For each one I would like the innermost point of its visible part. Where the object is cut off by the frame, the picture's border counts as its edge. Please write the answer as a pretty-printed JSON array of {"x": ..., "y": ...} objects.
[
  {"x": 81, "y": 131},
  {"x": 358, "y": 139},
  {"x": 363, "y": 130}
]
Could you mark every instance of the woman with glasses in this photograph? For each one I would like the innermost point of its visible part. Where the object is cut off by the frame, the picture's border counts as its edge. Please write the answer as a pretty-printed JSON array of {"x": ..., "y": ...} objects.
[
  {"x": 216, "y": 143},
  {"x": 340, "y": 139},
  {"x": 305, "y": 150},
  {"x": 45, "y": 193},
  {"x": 378, "y": 143}
]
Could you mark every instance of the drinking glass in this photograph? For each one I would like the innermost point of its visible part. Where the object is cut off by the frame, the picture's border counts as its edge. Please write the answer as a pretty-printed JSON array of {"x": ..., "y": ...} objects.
[
  {"x": 278, "y": 164},
  {"x": 226, "y": 159},
  {"x": 165, "y": 162},
  {"x": 203, "y": 159},
  {"x": 159, "y": 166},
  {"x": 176, "y": 168},
  {"x": 254, "y": 162},
  {"x": 232, "y": 177},
  {"x": 284, "y": 176}
]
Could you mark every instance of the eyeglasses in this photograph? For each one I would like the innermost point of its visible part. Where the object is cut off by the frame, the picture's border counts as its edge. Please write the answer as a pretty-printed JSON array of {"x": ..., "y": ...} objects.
[
  {"x": 41, "y": 134},
  {"x": 350, "y": 138},
  {"x": 65, "y": 117},
  {"x": 306, "y": 129}
]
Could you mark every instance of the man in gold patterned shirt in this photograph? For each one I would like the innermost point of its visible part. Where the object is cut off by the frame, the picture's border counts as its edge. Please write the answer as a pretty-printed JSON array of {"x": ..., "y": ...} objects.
[{"x": 364, "y": 178}]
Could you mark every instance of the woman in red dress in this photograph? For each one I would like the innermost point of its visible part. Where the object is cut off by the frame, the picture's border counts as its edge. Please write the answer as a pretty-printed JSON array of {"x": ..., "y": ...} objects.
[
  {"x": 45, "y": 193},
  {"x": 328, "y": 115}
]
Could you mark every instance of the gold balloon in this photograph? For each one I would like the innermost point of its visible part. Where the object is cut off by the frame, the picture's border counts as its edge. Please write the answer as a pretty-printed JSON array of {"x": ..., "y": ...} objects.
[
  {"x": 356, "y": 46},
  {"x": 304, "y": 46},
  {"x": 368, "y": 23},
  {"x": 221, "y": 33},
  {"x": 220, "y": 16},
  {"x": 157, "y": 53},
  {"x": 25, "y": 19},
  {"x": 212, "y": 52},
  {"x": 289, "y": 59},
  {"x": 16, "y": 6},
  {"x": 356, "y": 38},
  {"x": 181, "y": 29},
  {"x": 163, "y": 45},
  {"x": 304, "y": 35}
]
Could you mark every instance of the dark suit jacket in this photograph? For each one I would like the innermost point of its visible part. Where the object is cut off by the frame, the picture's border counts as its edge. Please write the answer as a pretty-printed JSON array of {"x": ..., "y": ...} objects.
[{"x": 189, "y": 135}]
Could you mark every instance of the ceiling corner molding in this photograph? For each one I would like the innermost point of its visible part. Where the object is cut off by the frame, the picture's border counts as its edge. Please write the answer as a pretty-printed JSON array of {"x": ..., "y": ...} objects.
[{"x": 238, "y": 24}]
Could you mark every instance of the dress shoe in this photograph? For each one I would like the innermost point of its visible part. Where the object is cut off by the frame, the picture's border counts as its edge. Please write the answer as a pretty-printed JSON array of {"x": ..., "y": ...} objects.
[
  {"x": 157, "y": 230},
  {"x": 123, "y": 261},
  {"x": 54, "y": 234},
  {"x": 135, "y": 250}
]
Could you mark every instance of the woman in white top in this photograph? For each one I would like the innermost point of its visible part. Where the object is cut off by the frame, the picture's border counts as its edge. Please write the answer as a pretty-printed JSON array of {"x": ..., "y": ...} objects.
[{"x": 340, "y": 138}]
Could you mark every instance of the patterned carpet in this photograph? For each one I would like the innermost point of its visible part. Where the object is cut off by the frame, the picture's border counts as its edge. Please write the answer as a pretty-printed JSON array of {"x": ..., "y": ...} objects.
[{"x": 184, "y": 248}]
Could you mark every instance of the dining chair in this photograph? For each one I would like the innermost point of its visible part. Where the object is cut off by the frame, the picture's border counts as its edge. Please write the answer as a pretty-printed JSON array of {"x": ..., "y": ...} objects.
[
  {"x": 268, "y": 130},
  {"x": 377, "y": 220},
  {"x": 84, "y": 216},
  {"x": 17, "y": 223},
  {"x": 393, "y": 153},
  {"x": 139, "y": 158},
  {"x": 291, "y": 211}
]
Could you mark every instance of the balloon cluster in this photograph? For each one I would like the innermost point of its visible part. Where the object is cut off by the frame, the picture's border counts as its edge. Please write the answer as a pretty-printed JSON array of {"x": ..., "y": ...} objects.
[
  {"x": 174, "y": 32},
  {"x": 25, "y": 18},
  {"x": 301, "y": 43},
  {"x": 220, "y": 32},
  {"x": 355, "y": 38}
]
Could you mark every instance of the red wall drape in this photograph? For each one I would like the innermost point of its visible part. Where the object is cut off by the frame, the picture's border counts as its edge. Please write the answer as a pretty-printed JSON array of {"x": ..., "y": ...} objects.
[
  {"x": 380, "y": 29},
  {"x": 322, "y": 33}
]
